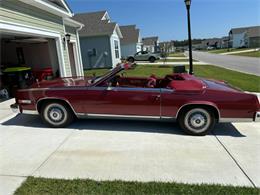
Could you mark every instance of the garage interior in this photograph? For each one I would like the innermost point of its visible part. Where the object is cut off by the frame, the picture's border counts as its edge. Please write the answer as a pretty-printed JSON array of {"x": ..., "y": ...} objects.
[{"x": 37, "y": 53}]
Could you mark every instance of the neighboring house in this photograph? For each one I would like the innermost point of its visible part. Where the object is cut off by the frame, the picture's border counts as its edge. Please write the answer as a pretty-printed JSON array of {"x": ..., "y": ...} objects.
[
  {"x": 211, "y": 43},
  {"x": 131, "y": 41},
  {"x": 40, "y": 34},
  {"x": 225, "y": 41},
  {"x": 100, "y": 40},
  {"x": 151, "y": 44},
  {"x": 245, "y": 37},
  {"x": 167, "y": 47}
]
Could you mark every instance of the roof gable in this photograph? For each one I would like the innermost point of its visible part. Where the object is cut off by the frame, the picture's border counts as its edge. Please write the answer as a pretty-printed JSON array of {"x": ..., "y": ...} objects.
[
  {"x": 96, "y": 24},
  {"x": 251, "y": 30}
]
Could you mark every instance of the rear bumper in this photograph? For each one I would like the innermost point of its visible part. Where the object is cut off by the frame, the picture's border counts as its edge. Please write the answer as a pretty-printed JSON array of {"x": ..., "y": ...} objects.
[
  {"x": 16, "y": 109},
  {"x": 256, "y": 118}
]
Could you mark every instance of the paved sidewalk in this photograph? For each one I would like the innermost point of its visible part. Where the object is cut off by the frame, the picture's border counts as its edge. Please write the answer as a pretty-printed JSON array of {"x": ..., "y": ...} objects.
[
  {"x": 177, "y": 58},
  {"x": 169, "y": 63},
  {"x": 235, "y": 52},
  {"x": 127, "y": 150}
]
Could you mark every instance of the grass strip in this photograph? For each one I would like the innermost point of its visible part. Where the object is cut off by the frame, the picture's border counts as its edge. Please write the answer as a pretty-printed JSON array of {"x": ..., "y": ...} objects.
[{"x": 42, "y": 186}]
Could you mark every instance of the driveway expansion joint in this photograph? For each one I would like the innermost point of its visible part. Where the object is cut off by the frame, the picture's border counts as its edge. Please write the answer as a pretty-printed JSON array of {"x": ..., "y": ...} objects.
[
  {"x": 9, "y": 175},
  {"x": 236, "y": 162},
  {"x": 59, "y": 146}
]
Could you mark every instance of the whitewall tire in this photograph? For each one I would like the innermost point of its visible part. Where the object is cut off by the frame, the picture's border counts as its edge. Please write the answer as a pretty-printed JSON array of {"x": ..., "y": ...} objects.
[
  {"x": 56, "y": 115},
  {"x": 197, "y": 121}
]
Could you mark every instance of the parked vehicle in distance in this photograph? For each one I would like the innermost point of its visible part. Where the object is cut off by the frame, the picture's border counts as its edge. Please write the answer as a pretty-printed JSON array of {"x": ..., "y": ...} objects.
[
  {"x": 197, "y": 104},
  {"x": 144, "y": 56}
]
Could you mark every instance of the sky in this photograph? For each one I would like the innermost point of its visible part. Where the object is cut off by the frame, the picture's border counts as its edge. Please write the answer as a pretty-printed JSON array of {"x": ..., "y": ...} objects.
[{"x": 168, "y": 18}]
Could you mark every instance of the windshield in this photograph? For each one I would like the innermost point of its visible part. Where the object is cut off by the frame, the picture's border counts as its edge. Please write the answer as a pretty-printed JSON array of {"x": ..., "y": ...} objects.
[
  {"x": 104, "y": 74},
  {"x": 97, "y": 78}
]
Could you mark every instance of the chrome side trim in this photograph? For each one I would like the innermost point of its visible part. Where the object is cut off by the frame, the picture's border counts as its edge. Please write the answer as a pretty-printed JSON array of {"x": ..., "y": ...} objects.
[
  {"x": 231, "y": 120},
  {"x": 130, "y": 89},
  {"x": 31, "y": 112},
  {"x": 24, "y": 101},
  {"x": 83, "y": 115},
  {"x": 165, "y": 90}
]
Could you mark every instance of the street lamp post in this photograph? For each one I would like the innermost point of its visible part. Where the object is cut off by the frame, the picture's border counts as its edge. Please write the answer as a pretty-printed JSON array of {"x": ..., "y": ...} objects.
[{"x": 188, "y": 4}]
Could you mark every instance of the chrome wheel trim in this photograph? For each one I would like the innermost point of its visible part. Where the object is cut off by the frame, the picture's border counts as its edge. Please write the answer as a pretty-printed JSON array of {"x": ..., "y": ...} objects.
[
  {"x": 197, "y": 120},
  {"x": 55, "y": 114}
]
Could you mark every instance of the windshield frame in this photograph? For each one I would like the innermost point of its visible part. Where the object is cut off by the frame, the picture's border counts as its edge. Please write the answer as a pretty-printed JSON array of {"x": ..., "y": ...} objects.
[{"x": 108, "y": 75}]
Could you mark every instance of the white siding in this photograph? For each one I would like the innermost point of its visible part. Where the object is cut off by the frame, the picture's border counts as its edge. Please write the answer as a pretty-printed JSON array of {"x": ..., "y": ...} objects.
[
  {"x": 114, "y": 37},
  {"x": 128, "y": 50},
  {"x": 238, "y": 40}
]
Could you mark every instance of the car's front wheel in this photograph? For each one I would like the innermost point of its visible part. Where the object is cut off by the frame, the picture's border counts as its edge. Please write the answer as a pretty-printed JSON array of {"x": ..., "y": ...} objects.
[
  {"x": 56, "y": 114},
  {"x": 152, "y": 59},
  {"x": 197, "y": 121}
]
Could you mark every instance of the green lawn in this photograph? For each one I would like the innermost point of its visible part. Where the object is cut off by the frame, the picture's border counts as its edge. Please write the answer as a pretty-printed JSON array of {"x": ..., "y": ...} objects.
[
  {"x": 243, "y": 81},
  {"x": 42, "y": 186},
  {"x": 178, "y": 54},
  {"x": 249, "y": 54}
]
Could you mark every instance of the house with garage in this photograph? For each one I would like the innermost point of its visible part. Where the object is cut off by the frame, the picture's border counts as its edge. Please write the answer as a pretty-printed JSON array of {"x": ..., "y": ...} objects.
[
  {"x": 40, "y": 34},
  {"x": 151, "y": 44},
  {"x": 131, "y": 42},
  {"x": 100, "y": 41},
  {"x": 245, "y": 37}
]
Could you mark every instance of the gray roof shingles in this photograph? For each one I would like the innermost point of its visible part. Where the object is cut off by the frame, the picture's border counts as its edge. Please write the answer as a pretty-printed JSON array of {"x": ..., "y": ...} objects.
[
  {"x": 94, "y": 25},
  {"x": 149, "y": 40},
  {"x": 130, "y": 34},
  {"x": 253, "y": 31}
]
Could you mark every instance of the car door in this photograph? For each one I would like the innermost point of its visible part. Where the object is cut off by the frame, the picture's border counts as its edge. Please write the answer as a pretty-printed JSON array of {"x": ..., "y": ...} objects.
[
  {"x": 145, "y": 56},
  {"x": 123, "y": 101},
  {"x": 138, "y": 56}
]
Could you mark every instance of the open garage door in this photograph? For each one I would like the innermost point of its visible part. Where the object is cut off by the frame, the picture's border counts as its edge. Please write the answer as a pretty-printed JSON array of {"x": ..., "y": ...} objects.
[{"x": 37, "y": 54}]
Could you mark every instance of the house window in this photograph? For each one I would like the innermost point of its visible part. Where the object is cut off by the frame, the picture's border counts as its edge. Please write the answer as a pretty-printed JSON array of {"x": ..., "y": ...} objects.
[{"x": 116, "y": 48}]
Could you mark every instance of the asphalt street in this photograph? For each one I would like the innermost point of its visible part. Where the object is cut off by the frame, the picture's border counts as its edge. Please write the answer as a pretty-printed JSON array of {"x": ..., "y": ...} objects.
[{"x": 248, "y": 65}]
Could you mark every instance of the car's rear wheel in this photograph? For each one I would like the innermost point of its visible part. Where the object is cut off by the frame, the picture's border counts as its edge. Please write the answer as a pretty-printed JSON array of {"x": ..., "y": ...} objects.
[
  {"x": 152, "y": 59},
  {"x": 56, "y": 114},
  {"x": 131, "y": 59},
  {"x": 197, "y": 121}
]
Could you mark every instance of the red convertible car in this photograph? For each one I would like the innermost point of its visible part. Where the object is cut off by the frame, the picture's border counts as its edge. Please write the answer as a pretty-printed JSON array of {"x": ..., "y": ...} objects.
[{"x": 197, "y": 104}]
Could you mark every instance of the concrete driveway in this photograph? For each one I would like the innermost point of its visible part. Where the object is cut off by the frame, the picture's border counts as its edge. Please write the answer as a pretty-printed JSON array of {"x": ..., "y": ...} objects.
[
  {"x": 239, "y": 63},
  {"x": 127, "y": 150}
]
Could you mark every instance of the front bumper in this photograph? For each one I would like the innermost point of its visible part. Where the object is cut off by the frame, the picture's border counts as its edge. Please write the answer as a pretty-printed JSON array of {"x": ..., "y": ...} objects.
[
  {"x": 257, "y": 117},
  {"x": 16, "y": 109}
]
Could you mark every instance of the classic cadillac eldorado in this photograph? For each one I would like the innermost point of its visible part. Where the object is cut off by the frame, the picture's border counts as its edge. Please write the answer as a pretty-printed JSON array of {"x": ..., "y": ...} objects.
[{"x": 196, "y": 104}]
